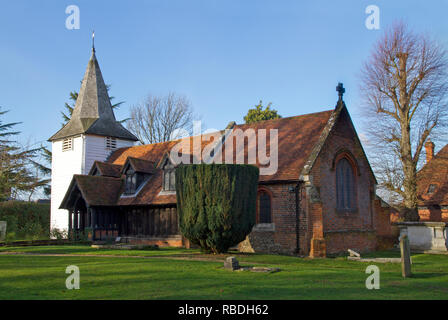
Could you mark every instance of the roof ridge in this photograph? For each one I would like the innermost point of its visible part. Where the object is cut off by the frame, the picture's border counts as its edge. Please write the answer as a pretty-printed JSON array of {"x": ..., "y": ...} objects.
[{"x": 286, "y": 118}]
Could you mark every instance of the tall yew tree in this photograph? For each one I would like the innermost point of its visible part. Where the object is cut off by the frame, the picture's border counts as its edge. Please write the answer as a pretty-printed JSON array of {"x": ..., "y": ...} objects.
[
  {"x": 216, "y": 203},
  {"x": 404, "y": 84}
]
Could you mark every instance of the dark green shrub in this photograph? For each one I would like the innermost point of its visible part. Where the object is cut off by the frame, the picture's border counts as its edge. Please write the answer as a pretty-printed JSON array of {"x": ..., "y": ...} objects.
[
  {"x": 216, "y": 203},
  {"x": 10, "y": 237},
  {"x": 26, "y": 220}
]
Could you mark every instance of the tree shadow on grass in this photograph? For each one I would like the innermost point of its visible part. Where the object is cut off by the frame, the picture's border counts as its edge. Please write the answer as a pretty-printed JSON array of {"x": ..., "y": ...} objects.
[{"x": 427, "y": 275}]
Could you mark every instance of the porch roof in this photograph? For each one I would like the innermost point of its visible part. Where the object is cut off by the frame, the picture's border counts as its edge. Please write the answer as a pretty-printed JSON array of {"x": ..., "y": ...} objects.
[{"x": 95, "y": 190}]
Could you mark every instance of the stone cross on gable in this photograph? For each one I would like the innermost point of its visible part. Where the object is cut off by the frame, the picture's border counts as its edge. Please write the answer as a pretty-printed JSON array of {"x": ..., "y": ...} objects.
[{"x": 341, "y": 90}]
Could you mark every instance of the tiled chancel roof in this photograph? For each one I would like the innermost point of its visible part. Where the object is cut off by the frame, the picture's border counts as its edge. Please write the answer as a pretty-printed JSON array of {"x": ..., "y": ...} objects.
[{"x": 296, "y": 139}]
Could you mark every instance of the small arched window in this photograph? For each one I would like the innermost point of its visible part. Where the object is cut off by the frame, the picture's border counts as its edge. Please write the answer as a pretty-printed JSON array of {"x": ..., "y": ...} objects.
[
  {"x": 345, "y": 185},
  {"x": 264, "y": 207}
]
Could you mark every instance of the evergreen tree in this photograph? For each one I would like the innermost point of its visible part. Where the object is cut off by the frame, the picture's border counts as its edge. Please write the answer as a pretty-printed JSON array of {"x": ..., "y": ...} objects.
[
  {"x": 44, "y": 168},
  {"x": 15, "y": 174},
  {"x": 258, "y": 114},
  {"x": 216, "y": 203}
]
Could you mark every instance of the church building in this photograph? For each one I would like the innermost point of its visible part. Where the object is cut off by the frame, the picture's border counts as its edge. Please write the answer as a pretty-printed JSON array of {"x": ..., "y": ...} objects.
[
  {"x": 432, "y": 185},
  {"x": 320, "y": 199}
]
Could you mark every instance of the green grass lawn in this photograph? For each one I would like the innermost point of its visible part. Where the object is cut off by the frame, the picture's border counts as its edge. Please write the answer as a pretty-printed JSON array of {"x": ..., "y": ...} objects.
[{"x": 162, "y": 275}]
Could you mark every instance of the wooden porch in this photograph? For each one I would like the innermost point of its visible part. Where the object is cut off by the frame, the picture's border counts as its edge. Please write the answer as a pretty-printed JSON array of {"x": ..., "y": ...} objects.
[{"x": 152, "y": 225}]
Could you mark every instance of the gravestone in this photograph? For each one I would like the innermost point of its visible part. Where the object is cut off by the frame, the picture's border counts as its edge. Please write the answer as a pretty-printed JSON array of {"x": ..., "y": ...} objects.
[
  {"x": 353, "y": 253},
  {"x": 231, "y": 263},
  {"x": 2, "y": 230},
  {"x": 405, "y": 256}
]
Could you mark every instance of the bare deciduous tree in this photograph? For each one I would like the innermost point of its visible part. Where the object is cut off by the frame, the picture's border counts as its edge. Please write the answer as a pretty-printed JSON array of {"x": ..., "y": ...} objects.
[
  {"x": 157, "y": 118},
  {"x": 405, "y": 85}
]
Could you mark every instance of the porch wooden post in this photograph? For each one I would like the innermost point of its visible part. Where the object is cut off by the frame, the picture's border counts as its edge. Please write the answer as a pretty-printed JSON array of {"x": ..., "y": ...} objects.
[
  {"x": 81, "y": 220},
  {"x": 173, "y": 221},
  {"x": 157, "y": 222},
  {"x": 76, "y": 220},
  {"x": 88, "y": 217},
  {"x": 151, "y": 222},
  {"x": 70, "y": 222},
  {"x": 93, "y": 222},
  {"x": 76, "y": 217}
]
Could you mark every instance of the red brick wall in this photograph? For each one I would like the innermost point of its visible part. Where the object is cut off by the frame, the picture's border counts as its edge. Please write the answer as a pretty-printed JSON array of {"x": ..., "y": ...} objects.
[
  {"x": 322, "y": 229},
  {"x": 433, "y": 213},
  {"x": 283, "y": 239},
  {"x": 386, "y": 216},
  {"x": 343, "y": 230}
]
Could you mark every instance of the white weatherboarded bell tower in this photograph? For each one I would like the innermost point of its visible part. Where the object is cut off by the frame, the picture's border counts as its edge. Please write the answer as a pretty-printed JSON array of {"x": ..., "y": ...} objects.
[{"x": 91, "y": 135}]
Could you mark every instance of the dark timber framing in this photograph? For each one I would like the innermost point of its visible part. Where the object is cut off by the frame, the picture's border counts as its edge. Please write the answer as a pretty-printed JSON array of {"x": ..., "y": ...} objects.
[{"x": 109, "y": 222}]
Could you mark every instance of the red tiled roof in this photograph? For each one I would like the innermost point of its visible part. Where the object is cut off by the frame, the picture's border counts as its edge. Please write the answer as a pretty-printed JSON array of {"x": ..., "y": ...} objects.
[
  {"x": 106, "y": 169},
  {"x": 95, "y": 190},
  {"x": 150, "y": 193},
  {"x": 297, "y": 137},
  {"x": 434, "y": 172},
  {"x": 141, "y": 165},
  {"x": 149, "y": 152}
]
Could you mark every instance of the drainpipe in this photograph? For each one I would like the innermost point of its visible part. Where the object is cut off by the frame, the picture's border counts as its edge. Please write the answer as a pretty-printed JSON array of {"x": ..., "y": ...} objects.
[{"x": 298, "y": 198}]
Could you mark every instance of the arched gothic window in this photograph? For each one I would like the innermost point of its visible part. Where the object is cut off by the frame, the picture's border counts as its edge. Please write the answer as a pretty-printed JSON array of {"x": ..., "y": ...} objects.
[{"x": 345, "y": 185}]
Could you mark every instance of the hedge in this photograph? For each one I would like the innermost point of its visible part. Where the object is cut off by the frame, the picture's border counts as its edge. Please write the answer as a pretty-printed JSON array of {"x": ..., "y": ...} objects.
[
  {"x": 216, "y": 203},
  {"x": 26, "y": 220}
]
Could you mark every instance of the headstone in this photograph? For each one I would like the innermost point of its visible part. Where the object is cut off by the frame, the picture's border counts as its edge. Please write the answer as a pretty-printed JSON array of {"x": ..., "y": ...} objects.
[
  {"x": 231, "y": 263},
  {"x": 2, "y": 230},
  {"x": 405, "y": 256},
  {"x": 353, "y": 253}
]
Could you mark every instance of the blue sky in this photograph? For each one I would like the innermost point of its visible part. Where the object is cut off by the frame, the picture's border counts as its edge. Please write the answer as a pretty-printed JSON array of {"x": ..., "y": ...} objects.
[{"x": 223, "y": 55}]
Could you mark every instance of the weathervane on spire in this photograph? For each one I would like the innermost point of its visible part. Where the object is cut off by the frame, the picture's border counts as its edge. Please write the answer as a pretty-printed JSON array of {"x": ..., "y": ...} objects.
[
  {"x": 341, "y": 90},
  {"x": 93, "y": 41}
]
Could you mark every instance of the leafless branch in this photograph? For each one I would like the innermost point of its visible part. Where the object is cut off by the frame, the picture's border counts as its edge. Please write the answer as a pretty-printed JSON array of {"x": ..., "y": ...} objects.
[
  {"x": 405, "y": 90},
  {"x": 157, "y": 118}
]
